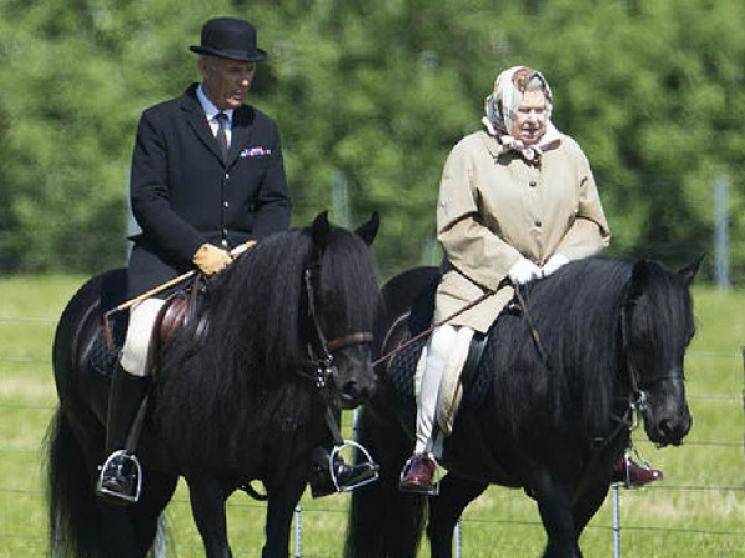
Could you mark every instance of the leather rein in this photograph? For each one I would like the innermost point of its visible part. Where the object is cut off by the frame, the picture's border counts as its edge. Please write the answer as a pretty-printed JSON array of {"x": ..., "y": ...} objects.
[{"x": 390, "y": 354}]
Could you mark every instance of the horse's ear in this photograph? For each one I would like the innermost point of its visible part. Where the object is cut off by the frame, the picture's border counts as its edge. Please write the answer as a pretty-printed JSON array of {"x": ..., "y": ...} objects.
[
  {"x": 688, "y": 273},
  {"x": 639, "y": 278},
  {"x": 319, "y": 230},
  {"x": 369, "y": 230}
]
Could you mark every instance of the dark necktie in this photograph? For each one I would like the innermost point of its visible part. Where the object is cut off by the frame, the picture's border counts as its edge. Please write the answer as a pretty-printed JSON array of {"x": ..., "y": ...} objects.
[{"x": 222, "y": 134}]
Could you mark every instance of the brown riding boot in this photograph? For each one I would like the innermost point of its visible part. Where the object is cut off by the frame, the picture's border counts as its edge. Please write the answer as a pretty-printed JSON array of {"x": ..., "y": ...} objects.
[
  {"x": 633, "y": 475},
  {"x": 418, "y": 475}
]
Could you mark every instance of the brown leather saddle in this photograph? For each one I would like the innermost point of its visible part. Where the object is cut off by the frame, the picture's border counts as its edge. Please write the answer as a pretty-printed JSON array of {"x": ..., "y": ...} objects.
[{"x": 179, "y": 310}]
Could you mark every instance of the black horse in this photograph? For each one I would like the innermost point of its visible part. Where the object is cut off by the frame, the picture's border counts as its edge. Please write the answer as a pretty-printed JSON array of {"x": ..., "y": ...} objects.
[
  {"x": 551, "y": 415},
  {"x": 241, "y": 393}
]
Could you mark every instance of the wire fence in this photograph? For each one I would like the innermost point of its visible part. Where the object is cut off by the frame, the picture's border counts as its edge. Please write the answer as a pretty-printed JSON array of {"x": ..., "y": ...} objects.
[
  {"x": 300, "y": 533},
  {"x": 301, "y": 530}
]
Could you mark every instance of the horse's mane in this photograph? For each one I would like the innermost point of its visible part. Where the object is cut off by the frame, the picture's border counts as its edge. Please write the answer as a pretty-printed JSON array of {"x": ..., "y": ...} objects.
[
  {"x": 212, "y": 387},
  {"x": 576, "y": 312}
]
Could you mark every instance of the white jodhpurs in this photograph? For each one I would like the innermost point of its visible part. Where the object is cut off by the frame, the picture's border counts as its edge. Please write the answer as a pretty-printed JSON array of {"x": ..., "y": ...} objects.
[
  {"x": 444, "y": 343},
  {"x": 136, "y": 348}
]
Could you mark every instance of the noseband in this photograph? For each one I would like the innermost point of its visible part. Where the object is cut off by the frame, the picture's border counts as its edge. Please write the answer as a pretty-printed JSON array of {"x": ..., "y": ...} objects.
[{"x": 320, "y": 352}]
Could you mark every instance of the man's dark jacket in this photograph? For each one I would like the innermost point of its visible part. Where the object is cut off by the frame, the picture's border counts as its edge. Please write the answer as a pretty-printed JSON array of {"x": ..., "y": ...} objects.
[{"x": 184, "y": 195}]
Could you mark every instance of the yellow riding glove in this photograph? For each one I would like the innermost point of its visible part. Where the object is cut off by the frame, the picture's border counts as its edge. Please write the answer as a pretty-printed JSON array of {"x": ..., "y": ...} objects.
[{"x": 211, "y": 259}]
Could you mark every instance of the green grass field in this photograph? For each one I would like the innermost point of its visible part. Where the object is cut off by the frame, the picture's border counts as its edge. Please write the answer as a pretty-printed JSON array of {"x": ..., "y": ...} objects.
[{"x": 682, "y": 516}]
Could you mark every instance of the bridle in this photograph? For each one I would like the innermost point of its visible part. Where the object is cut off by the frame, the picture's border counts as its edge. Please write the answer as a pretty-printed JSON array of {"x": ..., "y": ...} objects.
[
  {"x": 638, "y": 387},
  {"x": 320, "y": 350}
]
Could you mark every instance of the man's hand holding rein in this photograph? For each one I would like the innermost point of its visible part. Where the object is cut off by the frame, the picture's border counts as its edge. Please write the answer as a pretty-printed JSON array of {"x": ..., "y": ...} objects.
[{"x": 211, "y": 259}]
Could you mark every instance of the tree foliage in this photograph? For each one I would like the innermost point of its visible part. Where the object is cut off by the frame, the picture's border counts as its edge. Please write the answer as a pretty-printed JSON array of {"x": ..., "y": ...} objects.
[{"x": 379, "y": 92}]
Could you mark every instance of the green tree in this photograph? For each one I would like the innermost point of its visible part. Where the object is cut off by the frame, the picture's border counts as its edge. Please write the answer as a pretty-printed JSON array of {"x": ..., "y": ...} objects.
[{"x": 379, "y": 92}]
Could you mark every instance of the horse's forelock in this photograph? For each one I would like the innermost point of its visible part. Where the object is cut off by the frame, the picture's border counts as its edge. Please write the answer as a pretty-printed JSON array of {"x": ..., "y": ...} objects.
[
  {"x": 349, "y": 289},
  {"x": 666, "y": 308}
]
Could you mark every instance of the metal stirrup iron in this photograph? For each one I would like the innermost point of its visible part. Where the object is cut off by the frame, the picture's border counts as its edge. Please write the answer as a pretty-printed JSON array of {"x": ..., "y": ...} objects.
[
  {"x": 340, "y": 444},
  {"x": 134, "y": 463}
]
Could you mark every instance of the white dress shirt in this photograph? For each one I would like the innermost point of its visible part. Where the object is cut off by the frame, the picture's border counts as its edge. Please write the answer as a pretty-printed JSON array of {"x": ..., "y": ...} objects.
[{"x": 211, "y": 111}]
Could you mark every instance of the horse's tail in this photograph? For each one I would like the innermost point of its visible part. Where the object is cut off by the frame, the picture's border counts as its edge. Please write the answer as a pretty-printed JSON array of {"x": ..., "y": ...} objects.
[
  {"x": 73, "y": 524},
  {"x": 383, "y": 521}
]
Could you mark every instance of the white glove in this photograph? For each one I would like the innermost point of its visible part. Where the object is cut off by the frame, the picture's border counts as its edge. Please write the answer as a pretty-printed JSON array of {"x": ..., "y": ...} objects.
[
  {"x": 523, "y": 271},
  {"x": 554, "y": 263}
]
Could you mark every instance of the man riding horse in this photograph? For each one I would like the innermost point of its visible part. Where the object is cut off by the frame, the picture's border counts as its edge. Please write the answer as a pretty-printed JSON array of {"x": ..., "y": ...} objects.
[
  {"x": 516, "y": 200},
  {"x": 207, "y": 176}
]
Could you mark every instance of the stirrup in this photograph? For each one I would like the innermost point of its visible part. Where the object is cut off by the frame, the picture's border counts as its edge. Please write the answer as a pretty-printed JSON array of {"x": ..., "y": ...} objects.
[
  {"x": 433, "y": 490},
  {"x": 111, "y": 494},
  {"x": 628, "y": 453},
  {"x": 368, "y": 461}
]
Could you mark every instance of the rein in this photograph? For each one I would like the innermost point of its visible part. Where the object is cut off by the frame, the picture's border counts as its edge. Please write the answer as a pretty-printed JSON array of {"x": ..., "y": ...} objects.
[
  {"x": 533, "y": 331},
  {"x": 637, "y": 398},
  {"x": 390, "y": 354}
]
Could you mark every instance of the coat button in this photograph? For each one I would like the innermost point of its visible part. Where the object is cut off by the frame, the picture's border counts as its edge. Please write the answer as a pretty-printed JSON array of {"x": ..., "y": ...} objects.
[
  {"x": 225, "y": 204},
  {"x": 538, "y": 224},
  {"x": 224, "y": 243},
  {"x": 227, "y": 176},
  {"x": 532, "y": 184},
  {"x": 225, "y": 233}
]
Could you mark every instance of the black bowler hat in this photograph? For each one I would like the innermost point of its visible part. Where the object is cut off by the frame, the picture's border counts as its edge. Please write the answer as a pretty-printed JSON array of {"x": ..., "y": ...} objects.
[{"x": 229, "y": 37}]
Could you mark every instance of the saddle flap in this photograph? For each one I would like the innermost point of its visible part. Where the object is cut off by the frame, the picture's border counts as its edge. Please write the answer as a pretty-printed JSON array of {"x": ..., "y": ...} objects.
[
  {"x": 401, "y": 369},
  {"x": 178, "y": 310},
  {"x": 172, "y": 316}
]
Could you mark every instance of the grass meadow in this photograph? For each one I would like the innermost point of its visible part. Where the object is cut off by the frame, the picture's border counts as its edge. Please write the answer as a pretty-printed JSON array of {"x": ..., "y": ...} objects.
[{"x": 697, "y": 511}]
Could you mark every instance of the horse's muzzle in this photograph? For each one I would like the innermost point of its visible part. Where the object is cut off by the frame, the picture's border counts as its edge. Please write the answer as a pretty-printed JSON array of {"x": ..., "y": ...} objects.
[
  {"x": 670, "y": 429},
  {"x": 354, "y": 392}
]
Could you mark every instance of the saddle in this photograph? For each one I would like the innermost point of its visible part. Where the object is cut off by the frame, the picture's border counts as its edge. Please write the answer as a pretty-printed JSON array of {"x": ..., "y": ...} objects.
[
  {"x": 401, "y": 369},
  {"x": 179, "y": 310}
]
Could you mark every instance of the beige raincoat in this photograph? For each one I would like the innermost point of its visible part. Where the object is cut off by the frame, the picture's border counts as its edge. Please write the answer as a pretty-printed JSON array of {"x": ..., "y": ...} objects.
[{"x": 493, "y": 208}]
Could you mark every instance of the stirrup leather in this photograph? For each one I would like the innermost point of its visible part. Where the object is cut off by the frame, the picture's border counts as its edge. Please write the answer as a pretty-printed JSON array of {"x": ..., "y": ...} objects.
[
  {"x": 136, "y": 467},
  {"x": 368, "y": 461}
]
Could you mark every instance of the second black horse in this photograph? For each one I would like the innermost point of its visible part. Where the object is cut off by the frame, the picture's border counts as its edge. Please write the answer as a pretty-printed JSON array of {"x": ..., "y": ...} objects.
[{"x": 613, "y": 333}]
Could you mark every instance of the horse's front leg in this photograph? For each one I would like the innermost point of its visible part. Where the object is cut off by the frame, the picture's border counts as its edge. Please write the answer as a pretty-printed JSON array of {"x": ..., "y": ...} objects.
[
  {"x": 555, "y": 507},
  {"x": 208, "y": 495},
  {"x": 283, "y": 497},
  {"x": 445, "y": 509}
]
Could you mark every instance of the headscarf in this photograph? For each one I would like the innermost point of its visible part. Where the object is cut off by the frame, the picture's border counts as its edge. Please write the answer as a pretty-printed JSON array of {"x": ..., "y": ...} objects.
[{"x": 501, "y": 105}]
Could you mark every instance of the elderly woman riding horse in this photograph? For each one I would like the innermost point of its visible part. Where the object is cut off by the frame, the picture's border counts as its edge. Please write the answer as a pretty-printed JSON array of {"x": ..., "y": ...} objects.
[{"x": 517, "y": 199}]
